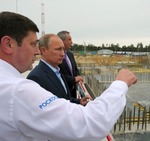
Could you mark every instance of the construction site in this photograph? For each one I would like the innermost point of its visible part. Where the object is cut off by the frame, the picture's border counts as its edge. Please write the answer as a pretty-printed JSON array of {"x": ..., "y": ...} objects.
[
  {"x": 100, "y": 70},
  {"x": 136, "y": 63}
]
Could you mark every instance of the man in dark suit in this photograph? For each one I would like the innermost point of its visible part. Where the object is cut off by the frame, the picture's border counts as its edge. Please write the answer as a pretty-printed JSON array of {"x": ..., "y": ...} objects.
[
  {"x": 69, "y": 66},
  {"x": 46, "y": 73}
]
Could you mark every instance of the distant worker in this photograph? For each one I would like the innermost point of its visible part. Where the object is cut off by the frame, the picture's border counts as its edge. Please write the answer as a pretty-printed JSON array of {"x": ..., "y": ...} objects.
[
  {"x": 47, "y": 74},
  {"x": 69, "y": 66}
]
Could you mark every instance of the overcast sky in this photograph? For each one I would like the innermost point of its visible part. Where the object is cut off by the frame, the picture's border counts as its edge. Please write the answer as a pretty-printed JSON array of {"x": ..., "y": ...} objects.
[{"x": 90, "y": 21}]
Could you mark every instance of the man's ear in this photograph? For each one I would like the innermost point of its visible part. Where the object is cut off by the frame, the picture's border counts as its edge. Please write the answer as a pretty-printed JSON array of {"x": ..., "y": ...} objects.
[
  {"x": 6, "y": 43},
  {"x": 43, "y": 50}
]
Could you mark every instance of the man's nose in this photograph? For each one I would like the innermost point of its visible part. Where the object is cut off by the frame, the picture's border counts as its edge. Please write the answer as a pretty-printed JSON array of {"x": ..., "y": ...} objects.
[{"x": 37, "y": 51}]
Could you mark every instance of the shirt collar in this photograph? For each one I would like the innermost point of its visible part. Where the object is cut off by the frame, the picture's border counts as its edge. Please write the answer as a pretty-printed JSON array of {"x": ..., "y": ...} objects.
[
  {"x": 9, "y": 69},
  {"x": 56, "y": 70}
]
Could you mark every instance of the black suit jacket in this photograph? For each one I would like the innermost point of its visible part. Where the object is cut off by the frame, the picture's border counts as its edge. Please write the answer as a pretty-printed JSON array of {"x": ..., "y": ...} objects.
[
  {"x": 64, "y": 68},
  {"x": 46, "y": 78}
]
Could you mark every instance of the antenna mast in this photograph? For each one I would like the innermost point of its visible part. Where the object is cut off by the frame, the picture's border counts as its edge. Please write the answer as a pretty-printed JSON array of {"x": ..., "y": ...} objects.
[
  {"x": 16, "y": 6},
  {"x": 42, "y": 17}
]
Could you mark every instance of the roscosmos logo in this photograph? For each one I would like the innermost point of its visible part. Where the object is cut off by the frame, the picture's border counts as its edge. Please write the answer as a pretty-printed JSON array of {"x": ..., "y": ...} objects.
[{"x": 48, "y": 101}]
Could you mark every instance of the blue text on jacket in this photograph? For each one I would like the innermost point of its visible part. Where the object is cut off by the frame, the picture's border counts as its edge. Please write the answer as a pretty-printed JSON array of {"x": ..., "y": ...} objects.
[{"x": 48, "y": 101}]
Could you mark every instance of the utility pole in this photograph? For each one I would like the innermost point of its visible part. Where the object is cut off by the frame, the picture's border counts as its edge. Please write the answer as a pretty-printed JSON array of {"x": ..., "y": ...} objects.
[
  {"x": 84, "y": 48},
  {"x": 42, "y": 17},
  {"x": 16, "y": 6}
]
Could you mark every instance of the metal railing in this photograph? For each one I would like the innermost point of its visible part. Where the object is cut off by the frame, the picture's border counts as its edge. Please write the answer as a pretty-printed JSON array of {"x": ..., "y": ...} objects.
[
  {"x": 132, "y": 119},
  {"x": 83, "y": 90}
]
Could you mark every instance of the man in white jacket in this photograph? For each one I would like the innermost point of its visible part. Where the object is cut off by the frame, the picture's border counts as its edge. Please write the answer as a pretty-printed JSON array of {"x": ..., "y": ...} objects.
[{"x": 30, "y": 113}]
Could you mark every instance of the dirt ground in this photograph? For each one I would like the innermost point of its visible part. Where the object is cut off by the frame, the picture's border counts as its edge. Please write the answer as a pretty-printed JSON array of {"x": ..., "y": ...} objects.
[
  {"x": 134, "y": 62},
  {"x": 105, "y": 60}
]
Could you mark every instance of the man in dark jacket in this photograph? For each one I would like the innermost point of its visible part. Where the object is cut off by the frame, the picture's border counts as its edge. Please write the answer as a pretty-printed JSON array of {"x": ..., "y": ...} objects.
[
  {"x": 69, "y": 66},
  {"x": 47, "y": 74}
]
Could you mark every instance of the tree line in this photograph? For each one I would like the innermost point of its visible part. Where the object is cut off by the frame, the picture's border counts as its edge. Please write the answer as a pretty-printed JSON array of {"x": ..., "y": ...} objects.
[{"x": 114, "y": 47}]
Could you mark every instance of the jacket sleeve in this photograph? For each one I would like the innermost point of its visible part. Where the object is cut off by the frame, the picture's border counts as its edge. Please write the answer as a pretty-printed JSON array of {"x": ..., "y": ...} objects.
[
  {"x": 75, "y": 100},
  {"x": 45, "y": 116}
]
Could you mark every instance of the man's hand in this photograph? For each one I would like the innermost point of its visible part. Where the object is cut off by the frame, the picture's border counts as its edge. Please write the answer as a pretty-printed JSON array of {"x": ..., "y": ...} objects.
[
  {"x": 78, "y": 79},
  {"x": 85, "y": 100},
  {"x": 127, "y": 76}
]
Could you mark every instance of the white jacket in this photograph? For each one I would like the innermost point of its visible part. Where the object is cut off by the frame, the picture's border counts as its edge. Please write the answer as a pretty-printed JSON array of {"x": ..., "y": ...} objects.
[{"x": 30, "y": 113}]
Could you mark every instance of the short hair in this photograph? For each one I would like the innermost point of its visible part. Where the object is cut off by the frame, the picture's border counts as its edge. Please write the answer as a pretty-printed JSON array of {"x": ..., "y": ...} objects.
[
  {"x": 45, "y": 39},
  {"x": 16, "y": 26},
  {"x": 62, "y": 34}
]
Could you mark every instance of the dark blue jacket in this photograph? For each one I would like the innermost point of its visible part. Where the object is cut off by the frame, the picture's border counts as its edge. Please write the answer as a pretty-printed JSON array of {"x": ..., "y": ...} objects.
[{"x": 47, "y": 79}]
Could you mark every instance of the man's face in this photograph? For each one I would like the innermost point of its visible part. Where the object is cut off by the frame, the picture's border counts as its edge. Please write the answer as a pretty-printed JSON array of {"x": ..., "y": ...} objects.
[
  {"x": 54, "y": 54},
  {"x": 24, "y": 56},
  {"x": 67, "y": 42}
]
